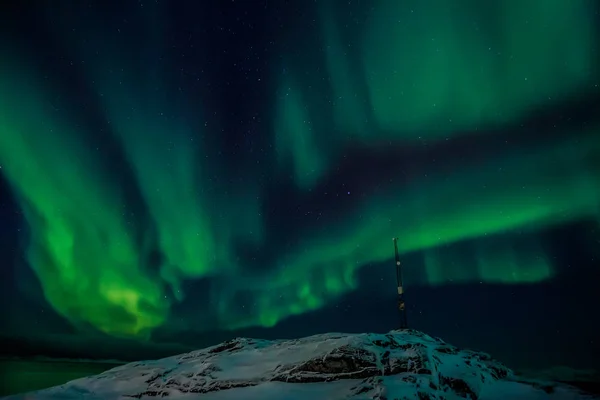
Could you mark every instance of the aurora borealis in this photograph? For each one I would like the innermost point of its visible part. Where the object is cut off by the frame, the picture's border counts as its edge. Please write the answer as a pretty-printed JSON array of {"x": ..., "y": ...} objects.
[{"x": 174, "y": 170}]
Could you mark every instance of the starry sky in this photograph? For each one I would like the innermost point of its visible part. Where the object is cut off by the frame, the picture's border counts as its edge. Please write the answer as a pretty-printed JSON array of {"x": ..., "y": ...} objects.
[{"x": 173, "y": 174}]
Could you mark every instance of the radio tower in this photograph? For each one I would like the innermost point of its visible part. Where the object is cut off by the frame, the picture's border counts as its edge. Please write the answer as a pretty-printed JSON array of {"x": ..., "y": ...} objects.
[{"x": 401, "y": 305}]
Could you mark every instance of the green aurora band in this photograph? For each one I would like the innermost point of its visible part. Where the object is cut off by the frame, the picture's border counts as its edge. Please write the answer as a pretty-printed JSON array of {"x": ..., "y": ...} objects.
[
  {"x": 432, "y": 69},
  {"x": 81, "y": 247},
  {"x": 414, "y": 70}
]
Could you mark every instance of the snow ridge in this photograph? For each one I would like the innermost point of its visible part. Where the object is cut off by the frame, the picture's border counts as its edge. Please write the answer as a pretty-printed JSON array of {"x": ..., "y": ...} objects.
[{"x": 402, "y": 364}]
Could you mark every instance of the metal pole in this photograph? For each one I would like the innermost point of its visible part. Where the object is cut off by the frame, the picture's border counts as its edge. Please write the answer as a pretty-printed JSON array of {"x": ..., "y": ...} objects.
[{"x": 401, "y": 305}]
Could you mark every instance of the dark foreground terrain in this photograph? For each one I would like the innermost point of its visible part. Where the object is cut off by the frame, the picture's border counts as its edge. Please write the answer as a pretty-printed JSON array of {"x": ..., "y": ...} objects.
[{"x": 18, "y": 376}]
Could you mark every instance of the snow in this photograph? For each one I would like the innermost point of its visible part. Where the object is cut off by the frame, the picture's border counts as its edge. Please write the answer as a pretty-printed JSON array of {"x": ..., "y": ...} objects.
[{"x": 404, "y": 364}]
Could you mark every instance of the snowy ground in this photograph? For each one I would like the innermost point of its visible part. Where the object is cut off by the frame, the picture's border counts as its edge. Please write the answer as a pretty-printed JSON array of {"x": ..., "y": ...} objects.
[{"x": 399, "y": 365}]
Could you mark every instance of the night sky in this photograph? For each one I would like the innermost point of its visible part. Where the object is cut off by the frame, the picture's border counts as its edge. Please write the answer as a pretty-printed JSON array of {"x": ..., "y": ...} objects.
[{"x": 174, "y": 174}]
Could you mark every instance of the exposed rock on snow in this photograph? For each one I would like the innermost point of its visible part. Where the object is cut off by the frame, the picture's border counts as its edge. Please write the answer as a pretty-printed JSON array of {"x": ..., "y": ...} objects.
[{"x": 403, "y": 364}]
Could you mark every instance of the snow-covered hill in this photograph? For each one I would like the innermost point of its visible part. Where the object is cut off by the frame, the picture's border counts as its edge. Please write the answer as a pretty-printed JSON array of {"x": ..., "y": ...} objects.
[{"x": 404, "y": 364}]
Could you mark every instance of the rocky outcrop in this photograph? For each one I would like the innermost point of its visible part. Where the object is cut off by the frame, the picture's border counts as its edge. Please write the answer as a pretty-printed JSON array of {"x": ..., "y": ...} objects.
[{"x": 405, "y": 364}]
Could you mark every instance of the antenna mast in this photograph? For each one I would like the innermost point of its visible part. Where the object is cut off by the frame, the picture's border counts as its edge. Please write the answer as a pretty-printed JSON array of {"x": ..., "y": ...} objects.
[{"x": 401, "y": 305}]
